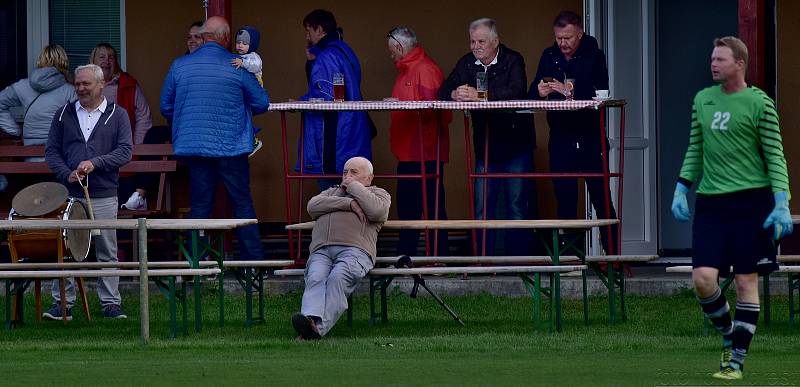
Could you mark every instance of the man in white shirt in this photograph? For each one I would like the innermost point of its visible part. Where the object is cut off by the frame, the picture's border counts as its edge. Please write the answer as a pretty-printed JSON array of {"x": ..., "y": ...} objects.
[{"x": 91, "y": 136}]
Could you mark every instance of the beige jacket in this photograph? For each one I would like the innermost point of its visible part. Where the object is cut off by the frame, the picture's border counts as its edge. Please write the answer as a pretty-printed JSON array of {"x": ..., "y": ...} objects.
[{"x": 337, "y": 224}]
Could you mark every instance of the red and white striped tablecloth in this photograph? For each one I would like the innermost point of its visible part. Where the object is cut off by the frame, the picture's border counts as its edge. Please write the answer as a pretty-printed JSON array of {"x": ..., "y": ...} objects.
[{"x": 437, "y": 105}]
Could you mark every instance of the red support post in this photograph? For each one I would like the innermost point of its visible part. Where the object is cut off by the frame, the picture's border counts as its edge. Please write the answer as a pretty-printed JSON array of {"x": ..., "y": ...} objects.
[
  {"x": 221, "y": 8},
  {"x": 751, "y": 31}
]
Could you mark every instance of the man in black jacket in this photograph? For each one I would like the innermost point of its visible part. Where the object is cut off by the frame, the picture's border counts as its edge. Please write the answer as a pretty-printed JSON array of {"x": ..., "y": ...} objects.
[
  {"x": 575, "y": 135},
  {"x": 91, "y": 137},
  {"x": 511, "y": 135}
]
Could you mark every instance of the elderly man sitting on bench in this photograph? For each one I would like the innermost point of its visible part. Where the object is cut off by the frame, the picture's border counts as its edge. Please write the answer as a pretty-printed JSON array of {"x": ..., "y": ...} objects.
[{"x": 343, "y": 246}]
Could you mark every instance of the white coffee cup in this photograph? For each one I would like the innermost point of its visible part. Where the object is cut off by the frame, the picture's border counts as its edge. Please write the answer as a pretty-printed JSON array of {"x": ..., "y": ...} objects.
[{"x": 603, "y": 94}]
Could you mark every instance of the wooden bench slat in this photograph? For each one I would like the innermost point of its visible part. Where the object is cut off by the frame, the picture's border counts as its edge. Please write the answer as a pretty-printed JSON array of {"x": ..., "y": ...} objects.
[
  {"x": 789, "y": 258},
  {"x": 290, "y": 272},
  {"x": 621, "y": 258},
  {"x": 38, "y": 150},
  {"x": 28, "y": 274},
  {"x": 457, "y": 270},
  {"x": 476, "y": 259},
  {"x": 478, "y": 270},
  {"x": 268, "y": 263},
  {"x": 688, "y": 269},
  {"x": 480, "y": 224},
  {"x": 102, "y": 265}
]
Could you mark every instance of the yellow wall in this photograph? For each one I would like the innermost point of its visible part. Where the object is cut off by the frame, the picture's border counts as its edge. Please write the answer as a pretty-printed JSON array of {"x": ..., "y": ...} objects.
[{"x": 156, "y": 33}]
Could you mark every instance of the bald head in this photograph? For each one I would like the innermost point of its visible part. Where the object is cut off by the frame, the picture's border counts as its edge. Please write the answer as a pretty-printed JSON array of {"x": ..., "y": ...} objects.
[
  {"x": 217, "y": 29},
  {"x": 359, "y": 169}
]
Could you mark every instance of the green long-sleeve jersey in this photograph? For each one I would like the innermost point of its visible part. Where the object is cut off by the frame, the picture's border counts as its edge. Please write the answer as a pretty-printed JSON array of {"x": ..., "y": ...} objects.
[{"x": 735, "y": 142}]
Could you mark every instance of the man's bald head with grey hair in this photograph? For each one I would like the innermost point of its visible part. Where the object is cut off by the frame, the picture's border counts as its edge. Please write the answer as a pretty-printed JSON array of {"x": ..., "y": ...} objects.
[{"x": 359, "y": 169}]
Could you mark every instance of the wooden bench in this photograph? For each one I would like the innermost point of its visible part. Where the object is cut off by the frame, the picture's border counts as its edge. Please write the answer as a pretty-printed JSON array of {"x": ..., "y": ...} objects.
[
  {"x": 163, "y": 166},
  {"x": 381, "y": 277},
  {"x": 89, "y": 265},
  {"x": 792, "y": 272},
  {"x": 15, "y": 276}
]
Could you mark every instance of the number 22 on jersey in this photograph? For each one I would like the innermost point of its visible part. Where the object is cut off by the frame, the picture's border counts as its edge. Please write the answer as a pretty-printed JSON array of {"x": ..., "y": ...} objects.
[{"x": 720, "y": 121}]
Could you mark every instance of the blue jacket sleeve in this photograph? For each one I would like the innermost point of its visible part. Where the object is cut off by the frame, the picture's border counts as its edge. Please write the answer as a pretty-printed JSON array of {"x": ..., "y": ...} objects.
[
  {"x": 255, "y": 96},
  {"x": 320, "y": 85},
  {"x": 168, "y": 94}
]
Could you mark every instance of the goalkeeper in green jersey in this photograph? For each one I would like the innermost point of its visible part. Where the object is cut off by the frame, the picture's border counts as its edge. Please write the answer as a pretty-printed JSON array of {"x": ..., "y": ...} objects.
[{"x": 742, "y": 203}]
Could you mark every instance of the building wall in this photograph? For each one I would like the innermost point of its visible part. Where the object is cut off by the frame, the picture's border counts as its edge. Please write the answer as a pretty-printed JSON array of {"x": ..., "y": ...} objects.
[
  {"x": 788, "y": 86},
  {"x": 156, "y": 33}
]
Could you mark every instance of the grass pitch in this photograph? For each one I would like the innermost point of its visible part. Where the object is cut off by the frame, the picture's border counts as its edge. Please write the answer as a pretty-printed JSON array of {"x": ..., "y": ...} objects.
[{"x": 660, "y": 345}]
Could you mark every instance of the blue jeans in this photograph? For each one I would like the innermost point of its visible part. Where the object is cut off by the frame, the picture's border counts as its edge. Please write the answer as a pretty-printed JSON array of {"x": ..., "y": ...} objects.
[
  {"x": 518, "y": 193},
  {"x": 204, "y": 173}
]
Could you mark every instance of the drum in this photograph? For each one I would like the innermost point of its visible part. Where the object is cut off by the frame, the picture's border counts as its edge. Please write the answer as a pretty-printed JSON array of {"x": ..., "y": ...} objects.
[{"x": 45, "y": 245}]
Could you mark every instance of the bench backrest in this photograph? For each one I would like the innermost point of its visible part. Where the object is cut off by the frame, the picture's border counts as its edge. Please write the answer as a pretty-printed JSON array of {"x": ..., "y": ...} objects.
[{"x": 165, "y": 164}]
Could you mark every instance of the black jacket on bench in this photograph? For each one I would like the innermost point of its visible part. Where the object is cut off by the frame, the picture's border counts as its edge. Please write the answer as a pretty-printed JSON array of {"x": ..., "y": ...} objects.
[{"x": 109, "y": 147}]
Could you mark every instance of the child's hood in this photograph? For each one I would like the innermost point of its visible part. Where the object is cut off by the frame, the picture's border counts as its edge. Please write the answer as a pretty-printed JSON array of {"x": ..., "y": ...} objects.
[{"x": 249, "y": 35}]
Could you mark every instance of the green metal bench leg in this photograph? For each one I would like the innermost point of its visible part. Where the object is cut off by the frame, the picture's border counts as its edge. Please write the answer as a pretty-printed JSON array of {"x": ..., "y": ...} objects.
[
  {"x": 622, "y": 306},
  {"x": 198, "y": 316},
  {"x": 248, "y": 294},
  {"x": 794, "y": 283},
  {"x": 585, "y": 296},
  {"x": 261, "y": 301},
  {"x": 172, "y": 313},
  {"x": 555, "y": 285},
  {"x": 612, "y": 294},
  {"x": 221, "y": 284},
  {"x": 371, "y": 301},
  {"x": 384, "y": 302},
  {"x": 767, "y": 306},
  {"x": 8, "y": 305},
  {"x": 551, "y": 303},
  {"x": 537, "y": 299},
  {"x": 350, "y": 311},
  {"x": 185, "y": 306}
]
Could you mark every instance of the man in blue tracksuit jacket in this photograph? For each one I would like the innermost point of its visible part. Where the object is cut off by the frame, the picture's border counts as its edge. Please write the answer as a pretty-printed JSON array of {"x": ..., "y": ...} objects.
[
  {"x": 331, "y": 138},
  {"x": 210, "y": 104}
]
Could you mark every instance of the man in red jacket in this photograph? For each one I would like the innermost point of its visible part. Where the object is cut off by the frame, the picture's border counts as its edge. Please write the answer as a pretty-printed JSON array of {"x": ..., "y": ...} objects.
[{"x": 418, "y": 79}]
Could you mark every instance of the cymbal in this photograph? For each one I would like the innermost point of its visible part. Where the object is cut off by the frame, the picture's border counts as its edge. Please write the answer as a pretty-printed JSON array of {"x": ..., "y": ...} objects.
[{"x": 39, "y": 199}]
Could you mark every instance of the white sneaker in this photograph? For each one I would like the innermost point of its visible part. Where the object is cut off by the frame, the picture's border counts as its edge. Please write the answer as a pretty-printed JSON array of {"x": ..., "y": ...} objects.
[
  {"x": 256, "y": 146},
  {"x": 136, "y": 202}
]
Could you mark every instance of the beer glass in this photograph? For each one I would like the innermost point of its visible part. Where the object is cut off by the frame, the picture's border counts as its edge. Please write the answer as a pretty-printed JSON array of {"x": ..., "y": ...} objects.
[
  {"x": 338, "y": 87},
  {"x": 482, "y": 85}
]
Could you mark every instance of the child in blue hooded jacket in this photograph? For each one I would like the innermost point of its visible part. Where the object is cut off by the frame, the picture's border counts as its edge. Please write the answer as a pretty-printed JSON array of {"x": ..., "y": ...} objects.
[{"x": 247, "y": 39}]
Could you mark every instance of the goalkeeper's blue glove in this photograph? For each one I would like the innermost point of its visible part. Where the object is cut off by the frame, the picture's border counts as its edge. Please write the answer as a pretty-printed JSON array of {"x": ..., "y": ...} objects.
[
  {"x": 780, "y": 217},
  {"x": 680, "y": 207}
]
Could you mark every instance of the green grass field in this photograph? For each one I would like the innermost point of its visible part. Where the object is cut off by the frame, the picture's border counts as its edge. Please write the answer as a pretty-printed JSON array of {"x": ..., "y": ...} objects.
[{"x": 660, "y": 345}]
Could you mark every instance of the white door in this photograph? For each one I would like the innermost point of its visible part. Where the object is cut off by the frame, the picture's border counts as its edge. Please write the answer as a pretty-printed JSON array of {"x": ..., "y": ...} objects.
[{"x": 625, "y": 31}]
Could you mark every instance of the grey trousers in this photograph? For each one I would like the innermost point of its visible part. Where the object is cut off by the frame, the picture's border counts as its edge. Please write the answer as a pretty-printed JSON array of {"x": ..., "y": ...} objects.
[
  {"x": 332, "y": 274},
  {"x": 105, "y": 246}
]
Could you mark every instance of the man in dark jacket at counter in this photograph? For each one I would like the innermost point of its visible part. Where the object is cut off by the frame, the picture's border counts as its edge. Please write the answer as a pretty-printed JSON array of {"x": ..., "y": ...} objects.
[
  {"x": 511, "y": 137},
  {"x": 91, "y": 136},
  {"x": 575, "y": 135}
]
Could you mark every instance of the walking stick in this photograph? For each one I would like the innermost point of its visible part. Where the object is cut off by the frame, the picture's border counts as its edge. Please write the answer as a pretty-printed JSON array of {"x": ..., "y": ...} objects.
[{"x": 85, "y": 187}]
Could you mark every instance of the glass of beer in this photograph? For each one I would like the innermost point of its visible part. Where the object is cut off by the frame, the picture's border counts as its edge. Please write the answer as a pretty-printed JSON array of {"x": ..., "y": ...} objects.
[
  {"x": 338, "y": 87},
  {"x": 569, "y": 88},
  {"x": 482, "y": 85}
]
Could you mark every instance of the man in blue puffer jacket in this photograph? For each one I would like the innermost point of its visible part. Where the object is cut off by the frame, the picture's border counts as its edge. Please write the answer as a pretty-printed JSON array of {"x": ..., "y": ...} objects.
[
  {"x": 331, "y": 138},
  {"x": 209, "y": 103}
]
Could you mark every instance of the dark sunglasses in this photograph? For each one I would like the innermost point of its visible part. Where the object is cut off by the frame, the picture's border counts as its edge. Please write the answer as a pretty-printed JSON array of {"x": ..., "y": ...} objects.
[{"x": 390, "y": 36}]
